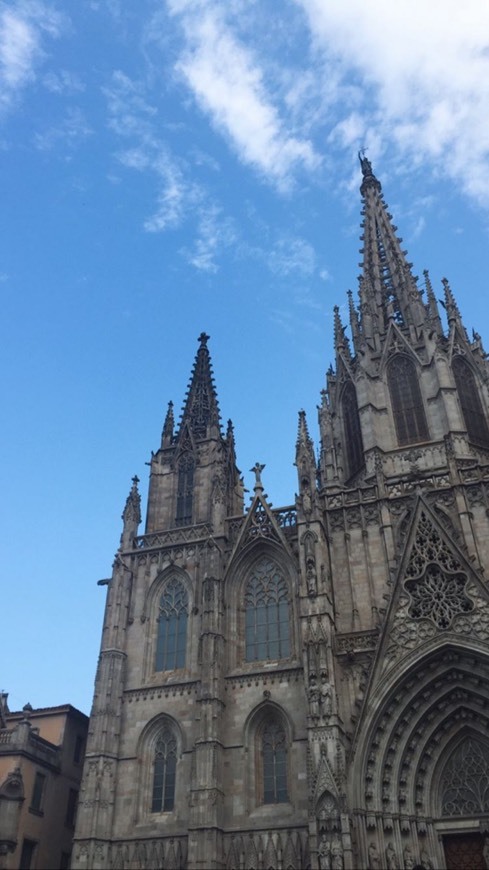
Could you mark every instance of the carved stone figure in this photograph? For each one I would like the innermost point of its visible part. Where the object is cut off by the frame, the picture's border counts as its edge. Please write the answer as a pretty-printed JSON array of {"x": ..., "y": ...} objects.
[
  {"x": 326, "y": 696},
  {"x": 391, "y": 857},
  {"x": 373, "y": 857},
  {"x": 426, "y": 861},
  {"x": 408, "y": 859},
  {"x": 313, "y": 695},
  {"x": 311, "y": 577},
  {"x": 324, "y": 853},
  {"x": 336, "y": 855}
]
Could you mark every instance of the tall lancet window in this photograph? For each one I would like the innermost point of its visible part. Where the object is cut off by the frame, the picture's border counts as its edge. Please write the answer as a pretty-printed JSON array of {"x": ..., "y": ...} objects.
[
  {"x": 472, "y": 409},
  {"x": 267, "y": 626},
  {"x": 274, "y": 754},
  {"x": 407, "y": 404},
  {"x": 352, "y": 429},
  {"x": 164, "y": 772},
  {"x": 172, "y": 627},
  {"x": 185, "y": 490}
]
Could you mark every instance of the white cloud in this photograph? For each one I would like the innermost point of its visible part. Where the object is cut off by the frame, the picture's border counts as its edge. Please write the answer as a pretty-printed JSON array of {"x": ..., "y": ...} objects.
[
  {"x": 22, "y": 31},
  {"x": 215, "y": 233},
  {"x": 425, "y": 79},
  {"x": 133, "y": 119},
  {"x": 292, "y": 255},
  {"x": 228, "y": 83},
  {"x": 63, "y": 82},
  {"x": 68, "y": 132}
]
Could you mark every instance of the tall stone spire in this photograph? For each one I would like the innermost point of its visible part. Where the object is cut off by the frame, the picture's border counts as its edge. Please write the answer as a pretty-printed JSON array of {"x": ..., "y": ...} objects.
[
  {"x": 201, "y": 410},
  {"x": 168, "y": 427},
  {"x": 388, "y": 287},
  {"x": 131, "y": 515}
]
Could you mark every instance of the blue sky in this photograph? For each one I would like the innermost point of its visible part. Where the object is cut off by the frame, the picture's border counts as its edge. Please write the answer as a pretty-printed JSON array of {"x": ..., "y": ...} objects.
[{"x": 173, "y": 166}]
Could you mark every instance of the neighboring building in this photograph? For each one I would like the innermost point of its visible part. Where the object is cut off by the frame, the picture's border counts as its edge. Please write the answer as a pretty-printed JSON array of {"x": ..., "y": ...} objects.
[
  {"x": 308, "y": 686},
  {"x": 41, "y": 761}
]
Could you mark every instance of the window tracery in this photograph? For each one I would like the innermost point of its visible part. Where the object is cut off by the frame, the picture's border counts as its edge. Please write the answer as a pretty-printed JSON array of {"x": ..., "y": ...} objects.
[
  {"x": 436, "y": 581},
  {"x": 465, "y": 780},
  {"x": 470, "y": 402},
  {"x": 172, "y": 627},
  {"x": 274, "y": 756},
  {"x": 185, "y": 490},
  {"x": 164, "y": 772},
  {"x": 407, "y": 404},
  {"x": 267, "y": 628},
  {"x": 353, "y": 432}
]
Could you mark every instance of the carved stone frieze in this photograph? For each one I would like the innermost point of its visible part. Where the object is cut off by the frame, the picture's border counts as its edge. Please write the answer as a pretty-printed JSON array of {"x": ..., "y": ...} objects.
[{"x": 356, "y": 642}]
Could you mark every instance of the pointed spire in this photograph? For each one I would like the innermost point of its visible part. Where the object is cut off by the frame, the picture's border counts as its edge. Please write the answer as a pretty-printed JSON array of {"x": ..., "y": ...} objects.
[
  {"x": 304, "y": 441},
  {"x": 341, "y": 342},
  {"x": 201, "y": 409},
  {"x": 305, "y": 462},
  {"x": 131, "y": 515},
  {"x": 354, "y": 321},
  {"x": 432, "y": 305},
  {"x": 386, "y": 272},
  {"x": 168, "y": 427},
  {"x": 132, "y": 509}
]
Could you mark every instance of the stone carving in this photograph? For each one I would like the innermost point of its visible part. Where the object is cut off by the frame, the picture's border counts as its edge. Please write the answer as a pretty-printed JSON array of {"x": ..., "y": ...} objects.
[
  {"x": 313, "y": 696},
  {"x": 408, "y": 858},
  {"x": 373, "y": 857},
  {"x": 336, "y": 854},
  {"x": 426, "y": 861},
  {"x": 326, "y": 696},
  {"x": 324, "y": 853},
  {"x": 391, "y": 858}
]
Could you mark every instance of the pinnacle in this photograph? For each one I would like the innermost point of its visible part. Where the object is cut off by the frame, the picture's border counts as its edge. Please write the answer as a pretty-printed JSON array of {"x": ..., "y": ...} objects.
[{"x": 201, "y": 409}]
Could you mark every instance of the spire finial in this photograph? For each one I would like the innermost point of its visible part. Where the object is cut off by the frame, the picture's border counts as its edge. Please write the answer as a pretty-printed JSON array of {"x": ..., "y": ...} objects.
[
  {"x": 257, "y": 469},
  {"x": 132, "y": 510},
  {"x": 204, "y": 338}
]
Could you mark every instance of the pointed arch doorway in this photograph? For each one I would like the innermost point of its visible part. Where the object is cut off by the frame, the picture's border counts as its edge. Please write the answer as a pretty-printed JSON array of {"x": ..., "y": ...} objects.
[{"x": 463, "y": 802}]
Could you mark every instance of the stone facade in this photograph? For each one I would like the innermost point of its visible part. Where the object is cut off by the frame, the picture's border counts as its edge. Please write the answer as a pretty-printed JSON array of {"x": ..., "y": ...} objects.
[{"x": 309, "y": 686}]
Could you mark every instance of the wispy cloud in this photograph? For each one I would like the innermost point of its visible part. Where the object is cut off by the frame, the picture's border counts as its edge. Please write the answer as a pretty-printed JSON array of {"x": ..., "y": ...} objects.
[
  {"x": 424, "y": 77},
  {"x": 132, "y": 118},
  {"x": 23, "y": 29},
  {"x": 215, "y": 233},
  {"x": 227, "y": 81},
  {"x": 292, "y": 256},
  {"x": 63, "y": 82},
  {"x": 69, "y": 132}
]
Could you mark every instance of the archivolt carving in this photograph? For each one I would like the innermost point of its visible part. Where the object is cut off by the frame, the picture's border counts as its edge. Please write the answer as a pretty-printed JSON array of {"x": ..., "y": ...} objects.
[{"x": 446, "y": 694}]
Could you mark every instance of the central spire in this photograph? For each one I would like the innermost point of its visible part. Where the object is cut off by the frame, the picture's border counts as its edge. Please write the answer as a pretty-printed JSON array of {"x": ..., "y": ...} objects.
[
  {"x": 388, "y": 288},
  {"x": 201, "y": 410}
]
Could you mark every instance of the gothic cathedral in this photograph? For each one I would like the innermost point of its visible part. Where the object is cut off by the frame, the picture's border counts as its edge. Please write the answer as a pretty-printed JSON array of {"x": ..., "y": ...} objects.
[{"x": 308, "y": 686}]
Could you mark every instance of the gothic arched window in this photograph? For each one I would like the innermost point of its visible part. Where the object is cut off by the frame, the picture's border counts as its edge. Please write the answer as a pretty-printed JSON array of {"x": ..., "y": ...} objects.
[
  {"x": 407, "y": 404},
  {"x": 172, "y": 627},
  {"x": 353, "y": 433},
  {"x": 464, "y": 785},
  {"x": 274, "y": 761},
  {"x": 185, "y": 490},
  {"x": 468, "y": 394},
  {"x": 164, "y": 772},
  {"x": 267, "y": 628}
]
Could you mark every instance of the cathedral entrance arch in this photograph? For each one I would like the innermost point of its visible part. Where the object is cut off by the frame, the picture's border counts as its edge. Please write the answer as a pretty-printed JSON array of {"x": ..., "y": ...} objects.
[
  {"x": 425, "y": 763},
  {"x": 463, "y": 800}
]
